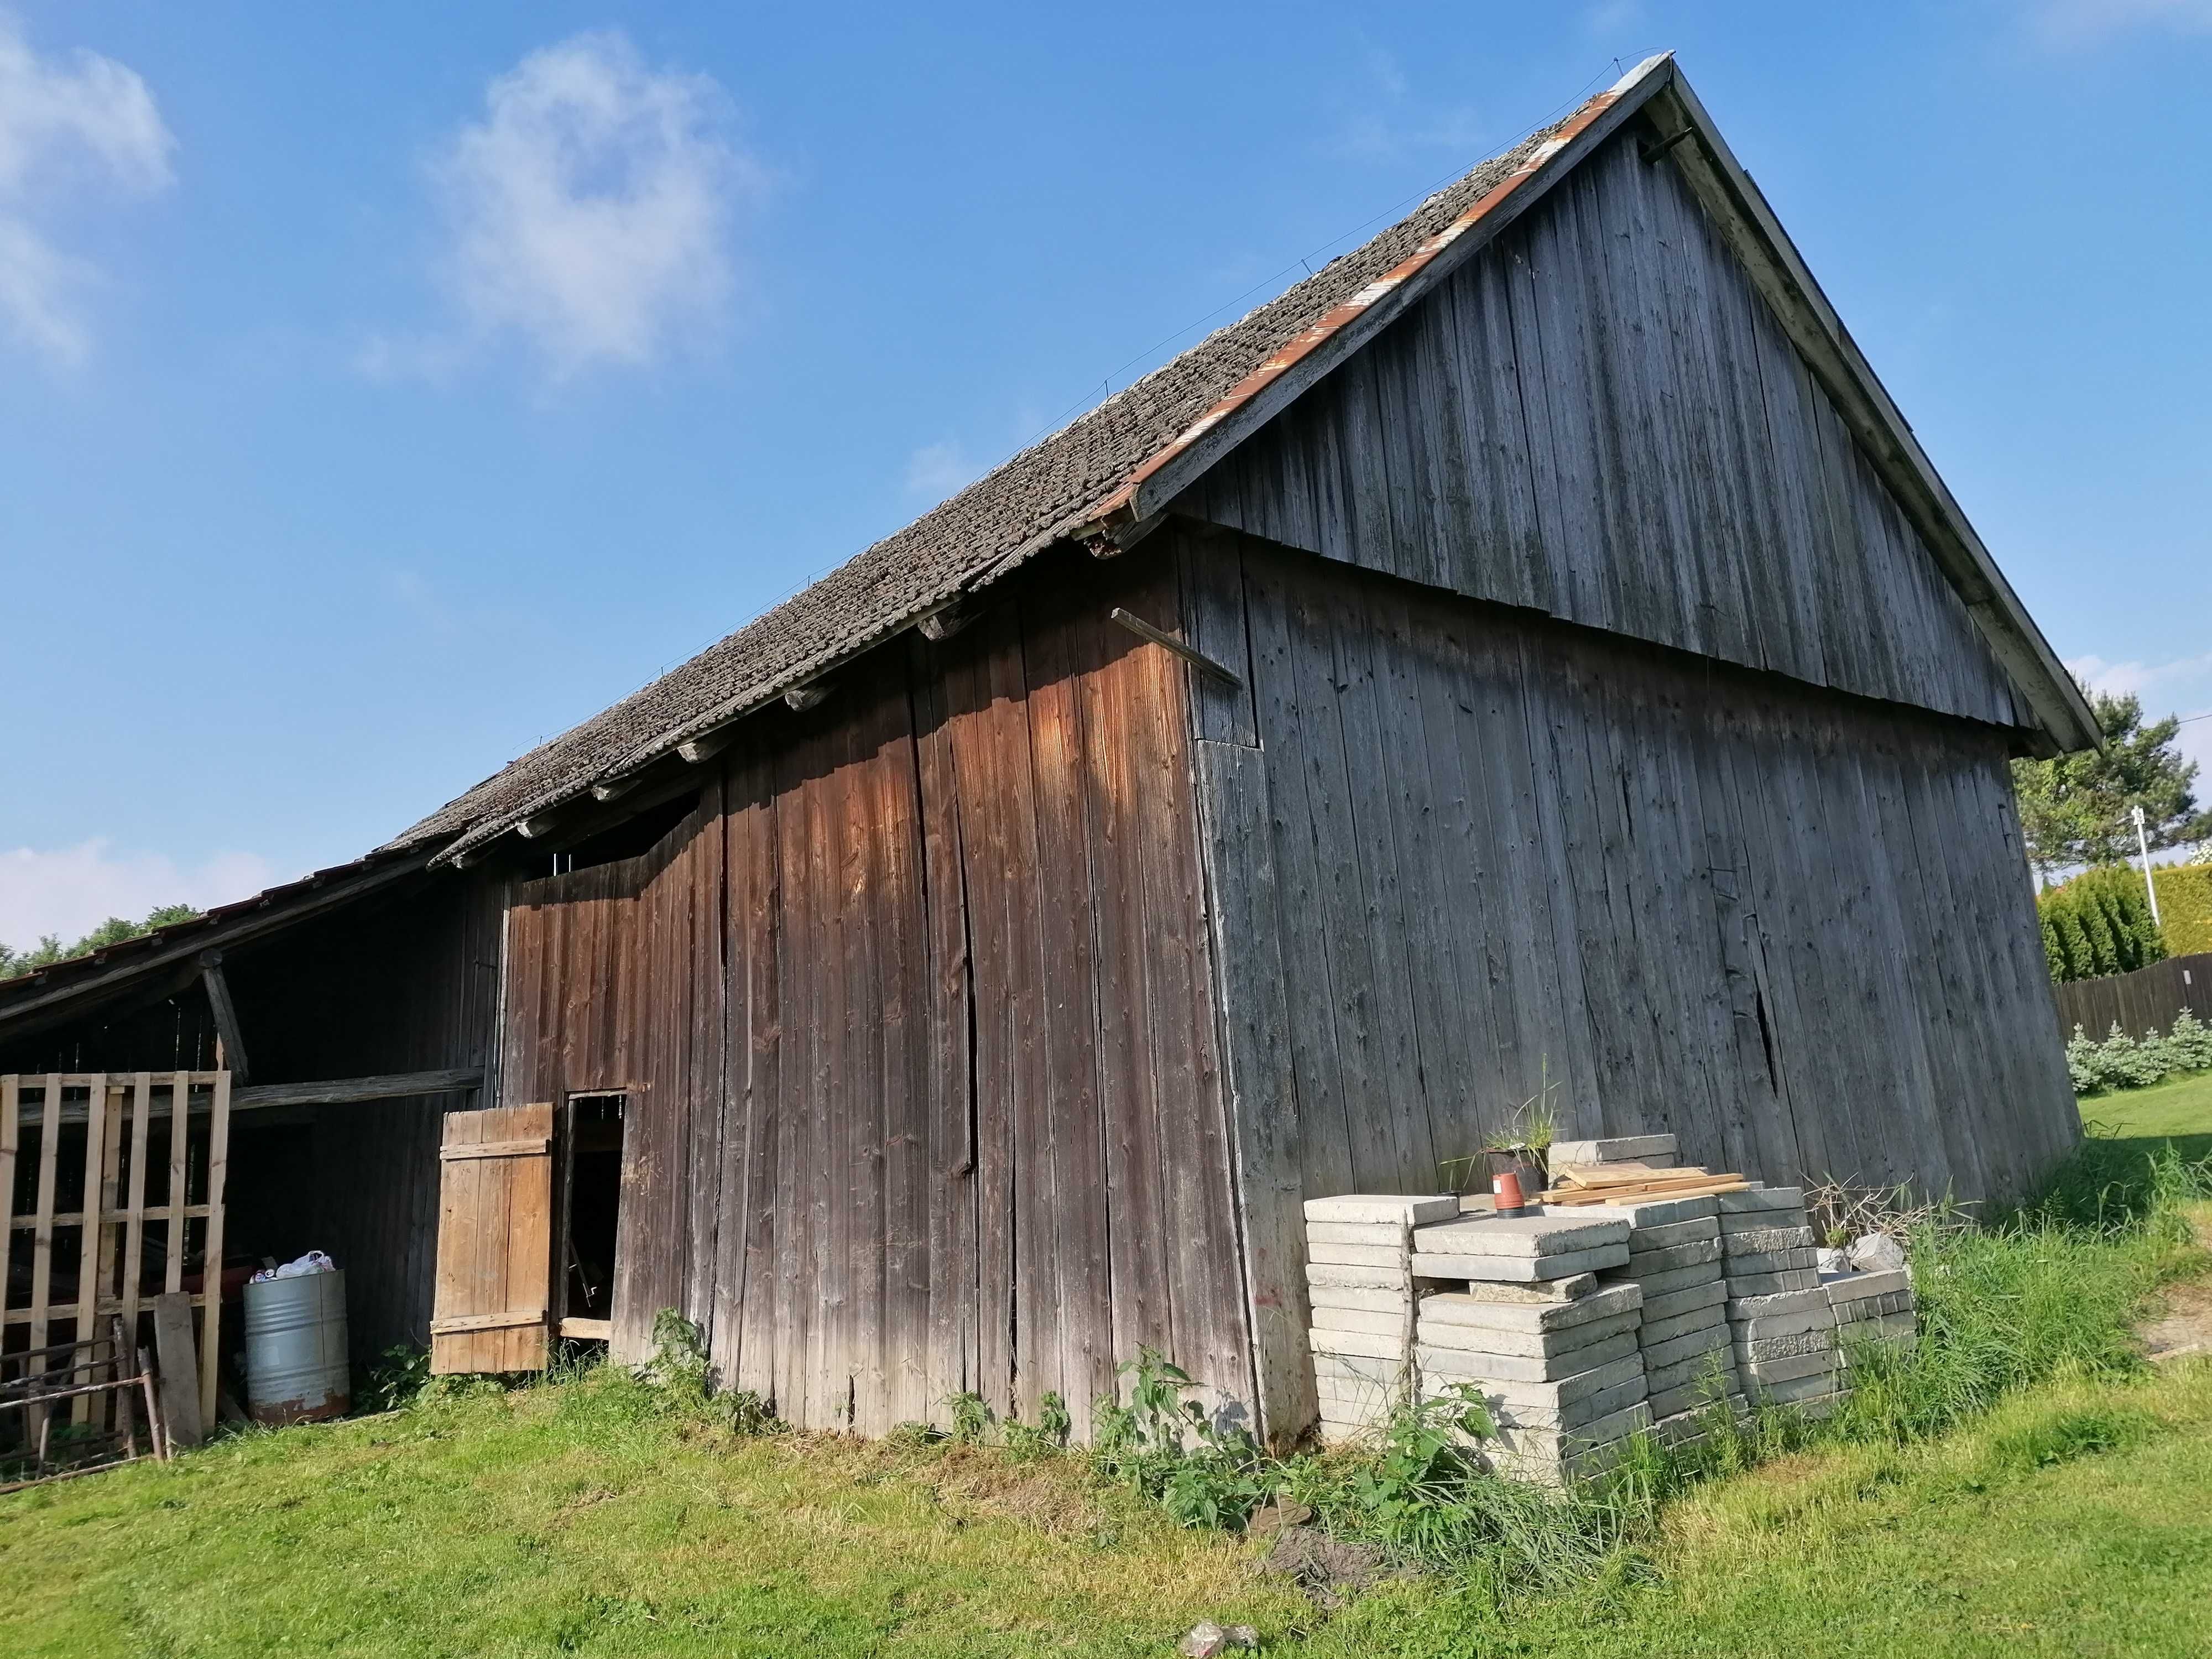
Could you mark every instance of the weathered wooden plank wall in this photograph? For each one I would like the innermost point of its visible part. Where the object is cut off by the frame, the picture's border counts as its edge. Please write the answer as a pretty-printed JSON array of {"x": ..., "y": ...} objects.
[
  {"x": 1791, "y": 927},
  {"x": 615, "y": 985},
  {"x": 2141, "y": 1002},
  {"x": 408, "y": 985},
  {"x": 967, "y": 1130},
  {"x": 1600, "y": 419}
]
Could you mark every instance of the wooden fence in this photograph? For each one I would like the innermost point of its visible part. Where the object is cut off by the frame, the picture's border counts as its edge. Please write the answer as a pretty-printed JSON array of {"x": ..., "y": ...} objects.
[
  {"x": 97, "y": 1217},
  {"x": 2142, "y": 1002}
]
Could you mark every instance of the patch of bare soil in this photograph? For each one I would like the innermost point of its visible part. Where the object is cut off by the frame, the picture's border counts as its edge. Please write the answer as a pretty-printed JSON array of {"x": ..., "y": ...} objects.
[
  {"x": 2185, "y": 1327},
  {"x": 1330, "y": 1570}
]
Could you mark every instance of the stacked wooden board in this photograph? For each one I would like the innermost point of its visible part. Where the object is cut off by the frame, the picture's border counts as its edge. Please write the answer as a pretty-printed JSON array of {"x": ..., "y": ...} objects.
[{"x": 1615, "y": 1171}]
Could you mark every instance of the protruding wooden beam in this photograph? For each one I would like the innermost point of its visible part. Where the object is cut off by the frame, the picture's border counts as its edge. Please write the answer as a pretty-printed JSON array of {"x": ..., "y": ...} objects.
[
  {"x": 538, "y": 826},
  {"x": 803, "y": 697},
  {"x": 226, "y": 1015},
  {"x": 614, "y": 789},
  {"x": 707, "y": 744},
  {"x": 341, "y": 1091},
  {"x": 942, "y": 623},
  {"x": 1198, "y": 659}
]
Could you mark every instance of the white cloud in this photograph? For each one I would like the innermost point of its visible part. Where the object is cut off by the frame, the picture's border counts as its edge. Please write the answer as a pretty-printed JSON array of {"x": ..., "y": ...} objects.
[
  {"x": 70, "y": 891},
  {"x": 2119, "y": 679},
  {"x": 2061, "y": 23},
  {"x": 1387, "y": 118},
  {"x": 587, "y": 214},
  {"x": 70, "y": 125},
  {"x": 937, "y": 471},
  {"x": 2182, "y": 686},
  {"x": 1609, "y": 17}
]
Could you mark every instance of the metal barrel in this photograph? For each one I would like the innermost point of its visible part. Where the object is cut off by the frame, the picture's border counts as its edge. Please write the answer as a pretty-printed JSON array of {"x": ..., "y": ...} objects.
[{"x": 295, "y": 1349}]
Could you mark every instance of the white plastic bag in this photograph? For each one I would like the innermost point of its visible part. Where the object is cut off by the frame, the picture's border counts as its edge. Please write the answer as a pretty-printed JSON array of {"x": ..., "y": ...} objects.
[{"x": 313, "y": 1262}]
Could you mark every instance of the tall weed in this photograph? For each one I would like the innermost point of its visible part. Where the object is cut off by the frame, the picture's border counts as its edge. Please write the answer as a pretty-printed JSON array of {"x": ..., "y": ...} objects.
[{"x": 2052, "y": 1290}]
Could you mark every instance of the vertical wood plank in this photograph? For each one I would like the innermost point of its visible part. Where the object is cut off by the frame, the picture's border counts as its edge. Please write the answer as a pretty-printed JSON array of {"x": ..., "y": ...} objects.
[
  {"x": 95, "y": 1256},
  {"x": 952, "y": 1351},
  {"x": 180, "y": 1091},
  {"x": 134, "y": 1237},
  {"x": 218, "y": 1170},
  {"x": 11, "y": 1105},
  {"x": 42, "y": 1235},
  {"x": 1249, "y": 980}
]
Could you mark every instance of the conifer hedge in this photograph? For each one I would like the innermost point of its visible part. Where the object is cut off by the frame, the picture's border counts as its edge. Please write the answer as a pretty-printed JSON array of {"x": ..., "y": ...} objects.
[{"x": 2099, "y": 923}]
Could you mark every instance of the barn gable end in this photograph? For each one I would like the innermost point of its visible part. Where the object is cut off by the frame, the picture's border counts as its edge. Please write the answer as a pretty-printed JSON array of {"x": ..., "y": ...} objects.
[{"x": 1602, "y": 418}]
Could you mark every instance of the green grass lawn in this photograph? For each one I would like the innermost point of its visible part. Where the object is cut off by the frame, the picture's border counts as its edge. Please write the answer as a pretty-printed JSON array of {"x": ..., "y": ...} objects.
[
  {"x": 2179, "y": 1110},
  {"x": 587, "y": 1517}
]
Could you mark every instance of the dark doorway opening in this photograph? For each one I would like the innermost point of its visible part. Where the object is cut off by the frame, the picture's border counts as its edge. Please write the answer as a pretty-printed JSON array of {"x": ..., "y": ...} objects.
[{"x": 591, "y": 1201}]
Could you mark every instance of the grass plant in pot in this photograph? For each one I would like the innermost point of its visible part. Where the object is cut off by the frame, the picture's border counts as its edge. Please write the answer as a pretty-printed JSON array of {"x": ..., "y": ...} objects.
[{"x": 1523, "y": 1147}]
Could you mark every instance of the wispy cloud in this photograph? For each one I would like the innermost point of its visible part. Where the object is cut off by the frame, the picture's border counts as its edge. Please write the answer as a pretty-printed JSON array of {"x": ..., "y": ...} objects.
[
  {"x": 937, "y": 471},
  {"x": 2143, "y": 679},
  {"x": 1609, "y": 17},
  {"x": 71, "y": 124},
  {"x": 1383, "y": 117},
  {"x": 587, "y": 215},
  {"x": 2182, "y": 686},
  {"x": 70, "y": 890},
  {"x": 2062, "y": 24}
]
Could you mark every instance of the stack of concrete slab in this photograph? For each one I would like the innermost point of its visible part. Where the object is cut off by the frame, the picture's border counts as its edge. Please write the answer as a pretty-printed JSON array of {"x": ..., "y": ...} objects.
[
  {"x": 1675, "y": 1260},
  {"x": 1784, "y": 1331},
  {"x": 1652, "y": 1151},
  {"x": 1359, "y": 1284},
  {"x": 1514, "y": 1312},
  {"x": 1871, "y": 1307}
]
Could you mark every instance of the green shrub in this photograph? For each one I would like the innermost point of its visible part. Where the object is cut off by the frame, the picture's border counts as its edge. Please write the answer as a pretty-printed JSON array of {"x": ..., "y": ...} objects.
[
  {"x": 2185, "y": 903},
  {"x": 2120, "y": 1061},
  {"x": 2100, "y": 923}
]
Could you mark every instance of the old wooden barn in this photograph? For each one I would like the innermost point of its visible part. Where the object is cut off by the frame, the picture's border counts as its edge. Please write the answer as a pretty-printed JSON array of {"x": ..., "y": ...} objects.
[{"x": 1533, "y": 649}]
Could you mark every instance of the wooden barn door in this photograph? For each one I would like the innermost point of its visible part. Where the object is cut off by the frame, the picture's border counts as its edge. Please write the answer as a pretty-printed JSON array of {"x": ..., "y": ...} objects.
[{"x": 495, "y": 1241}]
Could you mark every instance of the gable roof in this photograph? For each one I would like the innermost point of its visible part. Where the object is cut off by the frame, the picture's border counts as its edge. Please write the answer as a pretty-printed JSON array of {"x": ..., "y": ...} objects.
[{"x": 1106, "y": 475}]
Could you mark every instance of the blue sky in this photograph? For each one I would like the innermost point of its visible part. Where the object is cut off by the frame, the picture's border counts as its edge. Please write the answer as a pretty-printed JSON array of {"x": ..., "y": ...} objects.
[{"x": 385, "y": 389}]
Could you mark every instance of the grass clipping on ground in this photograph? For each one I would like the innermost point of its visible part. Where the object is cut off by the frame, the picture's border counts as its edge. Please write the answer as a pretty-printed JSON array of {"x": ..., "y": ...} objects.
[{"x": 2023, "y": 1483}]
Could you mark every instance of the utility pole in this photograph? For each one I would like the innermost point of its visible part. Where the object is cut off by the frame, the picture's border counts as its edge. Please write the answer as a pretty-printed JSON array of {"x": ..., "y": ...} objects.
[{"x": 2142, "y": 841}]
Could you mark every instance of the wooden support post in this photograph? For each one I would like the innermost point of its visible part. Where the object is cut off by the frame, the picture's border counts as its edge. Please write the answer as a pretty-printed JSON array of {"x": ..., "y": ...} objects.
[
  {"x": 211, "y": 1253},
  {"x": 173, "y": 1266},
  {"x": 134, "y": 1235},
  {"x": 179, "y": 1388},
  {"x": 92, "y": 1260},
  {"x": 226, "y": 1014},
  {"x": 42, "y": 1236},
  {"x": 157, "y": 1432},
  {"x": 10, "y": 1110},
  {"x": 126, "y": 1426}
]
